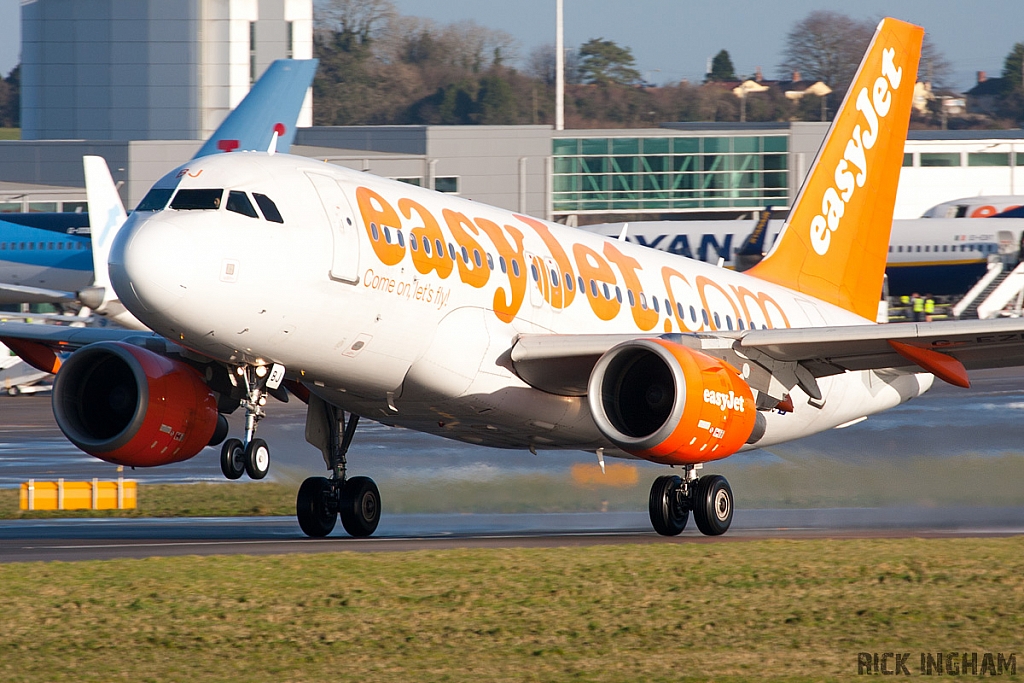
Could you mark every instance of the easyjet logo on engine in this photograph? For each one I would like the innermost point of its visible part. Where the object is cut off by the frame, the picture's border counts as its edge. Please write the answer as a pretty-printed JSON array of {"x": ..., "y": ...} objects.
[
  {"x": 724, "y": 401},
  {"x": 872, "y": 107}
]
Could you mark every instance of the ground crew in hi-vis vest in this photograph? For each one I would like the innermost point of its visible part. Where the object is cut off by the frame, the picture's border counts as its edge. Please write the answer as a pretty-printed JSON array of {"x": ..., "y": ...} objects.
[
  {"x": 917, "y": 303},
  {"x": 929, "y": 307}
]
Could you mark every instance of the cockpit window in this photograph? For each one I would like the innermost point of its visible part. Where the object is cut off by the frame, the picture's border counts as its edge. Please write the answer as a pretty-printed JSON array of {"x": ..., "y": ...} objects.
[
  {"x": 187, "y": 200},
  {"x": 268, "y": 208},
  {"x": 155, "y": 199},
  {"x": 239, "y": 203}
]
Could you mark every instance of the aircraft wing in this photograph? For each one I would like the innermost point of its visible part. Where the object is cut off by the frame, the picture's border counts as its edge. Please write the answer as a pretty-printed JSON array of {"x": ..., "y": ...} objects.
[
  {"x": 67, "y": 338},
  {"x": 561, "y": 364},
  {"x": 38, "y": 345},
  {"x": 36, "y": 295}
]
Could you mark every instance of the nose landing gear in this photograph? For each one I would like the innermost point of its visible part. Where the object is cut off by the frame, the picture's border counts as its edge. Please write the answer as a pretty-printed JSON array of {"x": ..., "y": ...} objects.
[
  {"x": 321, "y": 500},
  {"x": 673, "y": 498},
  {"x": 251, "y": 456}
]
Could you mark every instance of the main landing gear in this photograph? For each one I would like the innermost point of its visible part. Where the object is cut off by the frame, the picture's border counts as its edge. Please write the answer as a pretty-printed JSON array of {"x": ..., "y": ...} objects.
[
  {"x": 673, "y": 498},
  {"x": 321, "y": 500},
  {"x": 251, "y": 456}
]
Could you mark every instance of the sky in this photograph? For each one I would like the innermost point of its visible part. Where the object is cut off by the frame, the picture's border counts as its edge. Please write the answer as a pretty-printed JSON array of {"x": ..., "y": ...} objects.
[{"x": 673, "y": 39}]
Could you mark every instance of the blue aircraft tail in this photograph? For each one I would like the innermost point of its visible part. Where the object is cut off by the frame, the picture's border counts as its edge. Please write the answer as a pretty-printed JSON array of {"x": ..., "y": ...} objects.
[{"x": 275, "y": 98}]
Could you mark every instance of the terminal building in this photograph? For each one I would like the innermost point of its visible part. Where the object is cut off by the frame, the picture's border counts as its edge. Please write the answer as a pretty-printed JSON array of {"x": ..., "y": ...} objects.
[{"x": 143, "y": 82}]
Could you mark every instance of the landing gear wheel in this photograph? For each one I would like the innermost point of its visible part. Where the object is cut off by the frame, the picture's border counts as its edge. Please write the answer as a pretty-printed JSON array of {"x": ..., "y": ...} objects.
[
  {"x": 360, "y": 506},
  {"x": 316, "y": 507},
  {"x": 257, "y": 459},
  {"x": 668, "y": 515},
  {"x": 232, "y": 459},
  {"x": 712, "y": 505}
]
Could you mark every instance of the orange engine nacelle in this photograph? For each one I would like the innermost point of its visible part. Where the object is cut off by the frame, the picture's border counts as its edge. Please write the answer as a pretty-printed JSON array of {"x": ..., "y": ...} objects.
[
  {"x": 129, "y": 406},
  {"x": 670, "y": 404}
]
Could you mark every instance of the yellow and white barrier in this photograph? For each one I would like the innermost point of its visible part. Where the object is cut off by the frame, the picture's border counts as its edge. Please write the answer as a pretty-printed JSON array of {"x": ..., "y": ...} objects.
[{"x": 79, "y": 495}]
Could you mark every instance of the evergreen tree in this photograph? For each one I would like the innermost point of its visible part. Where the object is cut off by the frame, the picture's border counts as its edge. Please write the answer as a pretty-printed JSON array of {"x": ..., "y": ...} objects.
[
  {"x": 603, "y": 62},
  {"x": 1013, "y": 65},
  {"x": 721, "y": 68}
]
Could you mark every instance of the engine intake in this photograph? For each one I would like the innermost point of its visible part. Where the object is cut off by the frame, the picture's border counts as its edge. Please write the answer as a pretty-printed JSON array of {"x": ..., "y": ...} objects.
[
  {"x": 129, "y": 406},
  {"x": 670, "y": 404}
]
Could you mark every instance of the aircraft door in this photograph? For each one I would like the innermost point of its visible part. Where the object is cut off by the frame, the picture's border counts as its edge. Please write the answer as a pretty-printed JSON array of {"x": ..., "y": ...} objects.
[
  {"x": 1007, "y": 244},
  {"x": 344, "y": 234}
]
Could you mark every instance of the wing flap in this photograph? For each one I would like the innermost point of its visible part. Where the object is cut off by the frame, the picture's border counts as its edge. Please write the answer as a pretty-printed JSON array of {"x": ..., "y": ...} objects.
[{"x": 975, "y": 343}]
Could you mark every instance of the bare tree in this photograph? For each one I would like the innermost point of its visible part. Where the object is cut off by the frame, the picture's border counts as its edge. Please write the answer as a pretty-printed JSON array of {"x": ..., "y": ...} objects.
[
  {"x": 360, "y": 20},
  {"x": 827, "y": 46},
  {"x": 934, "y": 67},
  {"x": 541, "y": 65}
]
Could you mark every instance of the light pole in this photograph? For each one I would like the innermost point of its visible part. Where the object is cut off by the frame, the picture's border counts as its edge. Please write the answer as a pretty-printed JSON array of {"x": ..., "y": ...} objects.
[{"x": 559, "y": 69}]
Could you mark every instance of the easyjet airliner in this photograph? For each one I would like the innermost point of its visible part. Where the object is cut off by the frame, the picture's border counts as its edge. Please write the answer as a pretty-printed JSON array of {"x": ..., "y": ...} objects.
[{"x": 364, "y": 297}]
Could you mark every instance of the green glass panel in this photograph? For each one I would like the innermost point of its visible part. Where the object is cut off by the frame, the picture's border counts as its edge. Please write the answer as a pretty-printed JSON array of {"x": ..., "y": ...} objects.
[
  {"x": 655, "y": 181},
  {"x": 625, "y": 146},
  {"x": 1020, "y": 158},
  {"x": 716, "y": 144},
  {"x": 908, "y": 159},
  {"x": 622, "y": 182},
  {"x": 565, "y": 165},
  {"x": 565, "y": 183},
  {"x": 562, "y": 146},
  {"x": 593, "y": 164},
  {"x": 684, "y": 163},
  {"x": 746, "y": 162},
  {"x": 745, "y": 144},
  {"x": 655, "y": 164},
  {"x": 930, "y": 159},
  {"x": 655, "y": 145},
  {"x": 595, "y": 145},
  {"x": 776, "y": 143},
  {"x": 685, "y": 145},
  {"x": 774, "y": 162},
  {"x": 714, "y": 162},
  {"x": 988, "y": 159},
  {"x": 625, "y": 164}
]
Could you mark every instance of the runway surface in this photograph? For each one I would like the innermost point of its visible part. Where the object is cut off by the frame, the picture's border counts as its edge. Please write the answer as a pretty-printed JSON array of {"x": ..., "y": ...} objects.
[
  {"x": 945, "y": 423},
  {"x": 100, "y": 539}
]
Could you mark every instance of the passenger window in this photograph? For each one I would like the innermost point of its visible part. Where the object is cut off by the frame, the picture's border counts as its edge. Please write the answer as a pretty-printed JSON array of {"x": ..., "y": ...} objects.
[
  {"x": 239, "y": 203},
  {"x": 190, "y": 200},
  {"x": 268, "y": 207},
  {"x": 155, "y": 199}
]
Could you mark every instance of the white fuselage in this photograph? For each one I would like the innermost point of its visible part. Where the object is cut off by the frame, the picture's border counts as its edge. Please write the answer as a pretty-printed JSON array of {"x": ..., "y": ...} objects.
[{"x": 339, "y": 297}]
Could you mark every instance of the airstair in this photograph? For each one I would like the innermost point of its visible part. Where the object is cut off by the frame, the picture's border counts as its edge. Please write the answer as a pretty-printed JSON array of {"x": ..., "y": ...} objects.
[
  {"x": 993, "y": 293},
  {"x": 967, "y": 307}
]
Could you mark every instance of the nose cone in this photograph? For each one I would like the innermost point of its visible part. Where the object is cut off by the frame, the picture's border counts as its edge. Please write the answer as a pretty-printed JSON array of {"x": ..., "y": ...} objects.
[{"x": 150, "y": 265}]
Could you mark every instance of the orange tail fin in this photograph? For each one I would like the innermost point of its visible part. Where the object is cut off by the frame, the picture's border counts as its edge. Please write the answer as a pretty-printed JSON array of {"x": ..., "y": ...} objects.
[{"x": 835, "y": 243}]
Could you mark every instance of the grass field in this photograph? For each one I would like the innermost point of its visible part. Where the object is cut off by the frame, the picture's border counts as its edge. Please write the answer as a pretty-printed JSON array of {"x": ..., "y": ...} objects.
[
  {"x": 805, "y": 483},
  {"x": 10, "y": 133},
  {"x": 728, "y": 611}
]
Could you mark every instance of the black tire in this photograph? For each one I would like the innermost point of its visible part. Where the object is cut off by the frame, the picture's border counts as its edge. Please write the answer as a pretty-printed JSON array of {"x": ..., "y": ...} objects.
[
  {"x": 257, "y": 459},
  {"x": 232, "y": 459},
  {"x": 360, "y": 506},
  {"x": 713, "y": 505},
  {"x": 316, "y": 508},
  {"x": 220, "y": 432},
  {"x": 13, "y": 390},
  {"x": 668, "y": 517}
]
